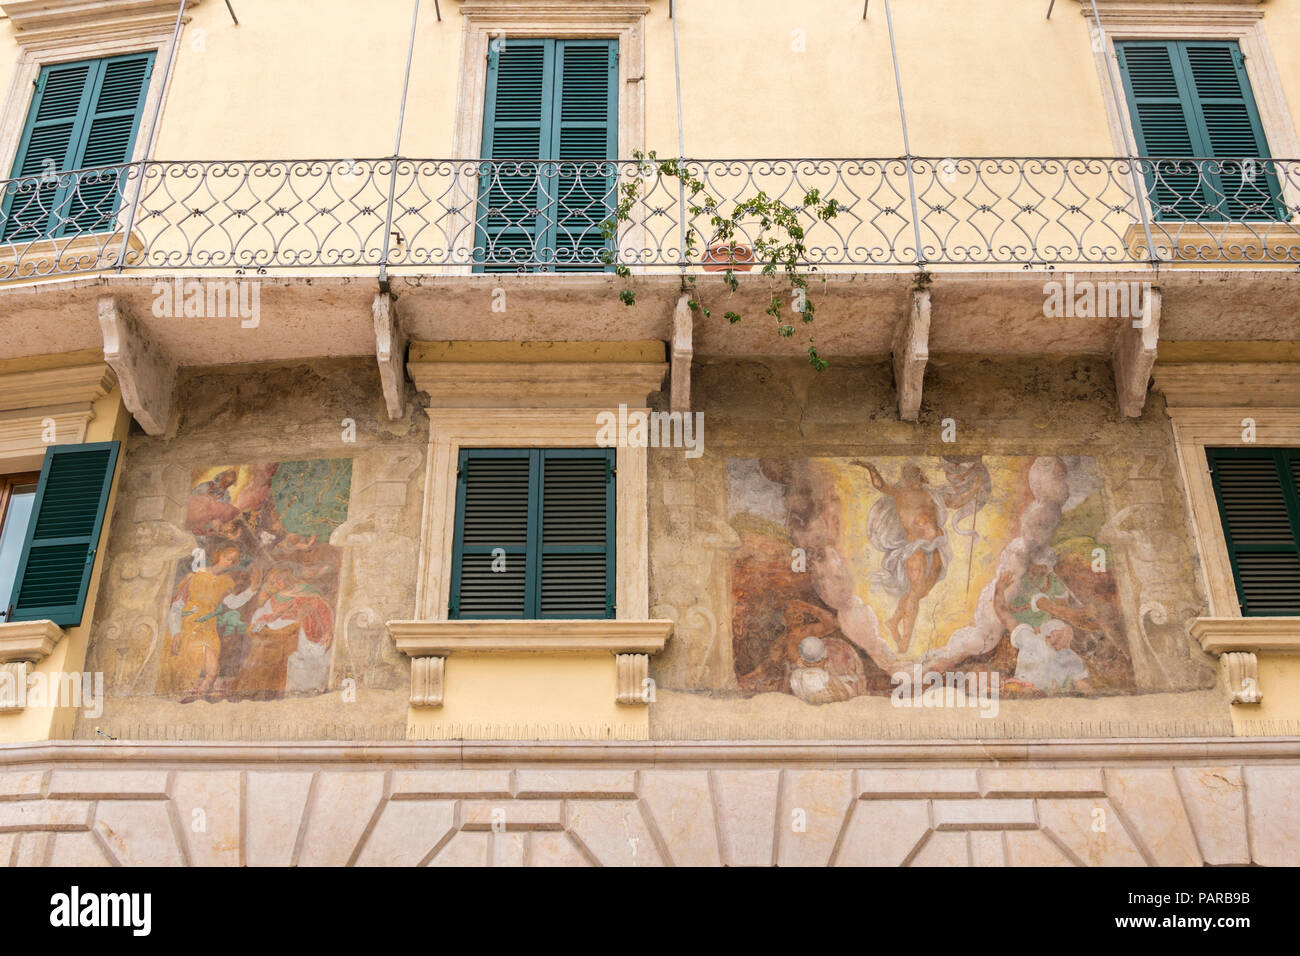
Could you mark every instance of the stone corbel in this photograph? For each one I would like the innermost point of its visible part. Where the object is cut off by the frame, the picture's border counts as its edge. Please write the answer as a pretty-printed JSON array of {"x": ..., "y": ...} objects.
[
  {"x": 1134, "y": 355},
  {"x": 390, "y": 350},
  {"x": 683, "y": 350},
  {"x": 1238, "y": 641},
  {"x": 429, "y": 643},
  {"x": 22, "y": 644},
  {"x": 911, "y": 352},
  {"x": 145, "y": 375}
]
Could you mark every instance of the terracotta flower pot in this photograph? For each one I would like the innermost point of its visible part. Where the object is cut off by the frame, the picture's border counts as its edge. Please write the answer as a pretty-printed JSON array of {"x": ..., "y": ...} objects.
[{"x": 723, "y": 256}]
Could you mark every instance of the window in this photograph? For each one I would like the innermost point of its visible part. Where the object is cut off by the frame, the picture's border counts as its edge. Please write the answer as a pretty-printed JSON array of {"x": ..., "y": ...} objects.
[
  {"x": 17, "y": 494},
  {"x": 53, "y": 568},
  {"x": 551, "y": 105},
  {"x": 1258, "y": 493},
  {"x": 84, "y": 116},
  {"x": 1193, "y": 99},
  {"x": 534, "y": 534}
]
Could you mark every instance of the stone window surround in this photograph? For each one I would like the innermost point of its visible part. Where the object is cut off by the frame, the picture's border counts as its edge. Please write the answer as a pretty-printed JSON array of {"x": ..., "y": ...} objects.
[
  {"x": 83, "y": 40},
  {"x": 631, "y": 637},
  {"x": 615, "y": 19},
  {"x": 1225, "y": 632},
  {"x": 1239, "y": 20}
]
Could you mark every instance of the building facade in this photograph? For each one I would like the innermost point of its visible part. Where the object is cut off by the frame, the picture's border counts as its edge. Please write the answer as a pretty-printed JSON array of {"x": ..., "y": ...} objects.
[{"x": 913, "y": 480}]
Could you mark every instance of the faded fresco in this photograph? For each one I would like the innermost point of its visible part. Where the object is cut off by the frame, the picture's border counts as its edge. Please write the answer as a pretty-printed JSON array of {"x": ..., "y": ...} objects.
[
  {"x": 252, "y": 613},
  {"x": 850, "y": 571}
]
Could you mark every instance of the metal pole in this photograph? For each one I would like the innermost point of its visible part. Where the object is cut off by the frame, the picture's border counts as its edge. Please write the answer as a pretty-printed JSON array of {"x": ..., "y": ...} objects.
[
  {"x": 232, "y": 13},
  {"x": 1139, "y": 193},
  {"x": 907, "y": 145},
  {"x": 148, "y": 141},
  {"x": 397, "y": 150},
  {"x": 681, "y": 153}
]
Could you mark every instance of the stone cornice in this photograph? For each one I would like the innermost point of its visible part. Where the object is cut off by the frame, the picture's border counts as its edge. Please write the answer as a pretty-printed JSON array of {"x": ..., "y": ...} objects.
[
  {"x": 29, "y": 641},
  {"x": 554, "y": 10},
  {"x": 994, "y": 753},
  {"x": 1179, "y": 10},
  {"x": 1255, "y": 635},
  {"x": 1230, "y": 384},
  {"x": 45, "y": 20},
  {"x": 440, "y": 638},
  {"x": 77, "y": 385},
  {"x": 537, "y": 384}
]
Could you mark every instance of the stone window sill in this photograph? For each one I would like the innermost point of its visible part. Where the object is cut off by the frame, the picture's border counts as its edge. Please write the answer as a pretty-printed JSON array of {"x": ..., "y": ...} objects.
[
  {"x": 428, "y": 644},
  {"x": 1238, "y": 640},
  {"x": 22, "y": 644}
]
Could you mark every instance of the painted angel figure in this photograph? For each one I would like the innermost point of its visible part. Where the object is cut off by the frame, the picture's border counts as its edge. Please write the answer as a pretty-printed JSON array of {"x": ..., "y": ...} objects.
[{"x": 909, "y": 524}]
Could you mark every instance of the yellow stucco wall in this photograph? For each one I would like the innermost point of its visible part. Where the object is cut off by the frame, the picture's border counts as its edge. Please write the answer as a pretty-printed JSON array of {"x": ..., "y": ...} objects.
[{"x": 513, "y": 696}]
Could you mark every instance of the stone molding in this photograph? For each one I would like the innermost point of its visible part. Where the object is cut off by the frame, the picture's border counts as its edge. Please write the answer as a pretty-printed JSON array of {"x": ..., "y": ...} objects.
[
  {"x": 75, "y": 385},
  {"x": 440, "y": 638},
  {"x": 43, "y": 20},
  {"x": 1235, "y": 384},
  {"x": 22, "y": 645},
  {"x": 992, "y": 753},
  {"x": 1274, "y": 635},
  {"x": 31, "y": 401},
  {"x": 537, "y": 384}
]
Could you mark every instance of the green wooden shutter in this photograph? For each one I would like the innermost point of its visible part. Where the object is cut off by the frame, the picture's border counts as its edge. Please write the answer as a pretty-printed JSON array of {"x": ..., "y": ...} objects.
[
  {"x": 83, "y": 115},
  {"x": 495, "y": 510},
  {"x": 534, "y": 534},
  {"x": 109, "y": 139},
  {"x": 1193, "y": 99},
  {"x": 1258, "y": 492},
  {"x": 547, "y": 100},
  {"x": 48, "y": 144},
  {"x": 585, "y": 138},
  {"x": 63, "y": 536},
  {"x": 516, "y": 125},
  {"x": 577, "y": 533}
]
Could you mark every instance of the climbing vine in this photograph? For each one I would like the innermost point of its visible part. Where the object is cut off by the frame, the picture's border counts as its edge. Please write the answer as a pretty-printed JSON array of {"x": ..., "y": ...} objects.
[{"x": 778, "y": 240}]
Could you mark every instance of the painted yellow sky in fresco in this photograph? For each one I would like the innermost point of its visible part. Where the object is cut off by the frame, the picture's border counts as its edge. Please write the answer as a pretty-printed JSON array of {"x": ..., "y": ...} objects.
[{"x": 950, "y": 605}]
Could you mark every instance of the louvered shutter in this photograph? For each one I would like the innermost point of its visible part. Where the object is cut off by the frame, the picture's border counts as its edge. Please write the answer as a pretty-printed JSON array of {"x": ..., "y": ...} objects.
[
  {"x": 585, "y": 140},
  {"x": 534, "y": 534},
  {"x": 48, "y": 145},
  {"x": 577, "y": 556},
  {"x": 1231, "y": 130},
  {"x": 516, "y": 125},
  {"x": 548, "y": 102},
  {"x": 109, "y": 139},
  {"x": 83, "y": 115},
  {"x": 1258, "y": 492},
  {"x": 1193, "y": 99},
  {"x": 495, "y": 509},
  {"x": 63, "y": 536}
]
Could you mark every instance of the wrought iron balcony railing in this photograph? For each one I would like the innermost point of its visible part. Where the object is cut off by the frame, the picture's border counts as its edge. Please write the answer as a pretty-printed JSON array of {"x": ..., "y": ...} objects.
[{"x": 514, "y": 215}]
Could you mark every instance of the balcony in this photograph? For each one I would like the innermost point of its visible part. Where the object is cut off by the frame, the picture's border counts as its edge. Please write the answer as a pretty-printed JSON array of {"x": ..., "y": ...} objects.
[{"x": 448, "y": 217}]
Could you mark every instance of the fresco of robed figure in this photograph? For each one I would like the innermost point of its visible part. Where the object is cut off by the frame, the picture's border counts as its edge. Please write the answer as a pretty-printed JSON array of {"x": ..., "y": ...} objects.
[
  {"x": 961, "y": 562},
  {"x": 252, "y": 615}
]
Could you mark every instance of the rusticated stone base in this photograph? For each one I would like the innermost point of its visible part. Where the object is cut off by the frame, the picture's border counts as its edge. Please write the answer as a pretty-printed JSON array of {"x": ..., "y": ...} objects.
[{"x": 967, "y": 803}]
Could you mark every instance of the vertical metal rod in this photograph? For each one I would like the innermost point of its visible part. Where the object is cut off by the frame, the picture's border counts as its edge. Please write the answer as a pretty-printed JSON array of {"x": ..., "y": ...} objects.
[
  {"x": 148, "y": 141},
  {"x": 907, "y": 145},
  {"x": 681, "y": 152},
  {"x": 232, "y": 13},
  {"x": 397, "y": 147},
  {"x": 1050, "y": 7},
  {"x": 1139, "y": 191}
]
